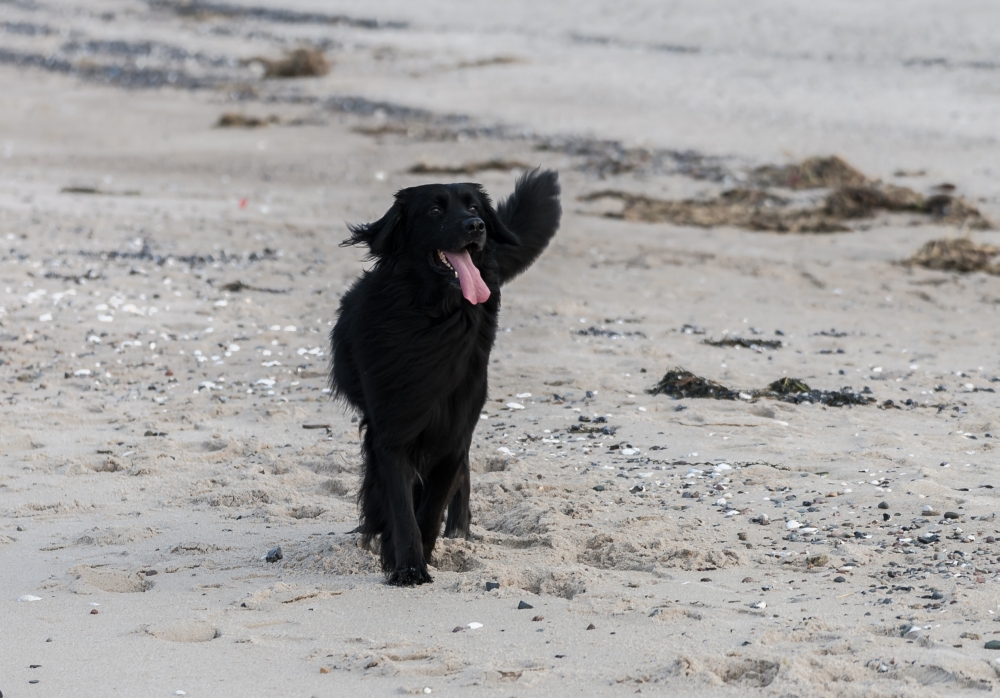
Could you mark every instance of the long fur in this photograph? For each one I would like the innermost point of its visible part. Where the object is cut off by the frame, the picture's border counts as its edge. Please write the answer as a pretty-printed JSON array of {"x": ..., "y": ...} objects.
[{"x": 411, "y": 355}]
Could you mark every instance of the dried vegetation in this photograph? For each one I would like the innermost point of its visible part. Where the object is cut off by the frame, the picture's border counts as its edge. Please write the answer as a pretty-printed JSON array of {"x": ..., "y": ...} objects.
[{"x": 851, "y": 197}]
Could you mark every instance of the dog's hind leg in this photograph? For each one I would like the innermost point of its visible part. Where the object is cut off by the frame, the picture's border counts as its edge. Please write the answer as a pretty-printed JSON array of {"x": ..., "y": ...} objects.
[
  {"x": 402, "y": 550},
  {"x": 459, "y": 516}
]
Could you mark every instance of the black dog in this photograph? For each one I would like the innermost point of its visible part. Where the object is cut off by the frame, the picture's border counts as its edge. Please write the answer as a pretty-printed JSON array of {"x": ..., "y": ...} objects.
[{"x": 412, "y": 346}]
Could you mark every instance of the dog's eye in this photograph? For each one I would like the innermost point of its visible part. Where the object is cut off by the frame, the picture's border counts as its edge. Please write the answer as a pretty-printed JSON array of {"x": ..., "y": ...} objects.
[
  {"x": 473, "y": 209},
  {"x": 434, "y": 210}
]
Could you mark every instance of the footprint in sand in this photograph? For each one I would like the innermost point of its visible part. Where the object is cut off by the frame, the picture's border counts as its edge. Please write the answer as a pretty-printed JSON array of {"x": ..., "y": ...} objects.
[
  {"x": 184, "y": 631},
  {"x": 117, "y": 581}
]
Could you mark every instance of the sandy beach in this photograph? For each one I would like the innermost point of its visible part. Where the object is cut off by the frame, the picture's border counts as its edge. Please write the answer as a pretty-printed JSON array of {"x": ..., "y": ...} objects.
[{"x": 742, "y": 434}]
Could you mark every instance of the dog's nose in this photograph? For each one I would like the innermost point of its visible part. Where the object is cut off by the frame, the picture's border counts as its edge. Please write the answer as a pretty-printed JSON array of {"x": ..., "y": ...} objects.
[{"x": 474, "y": 226}]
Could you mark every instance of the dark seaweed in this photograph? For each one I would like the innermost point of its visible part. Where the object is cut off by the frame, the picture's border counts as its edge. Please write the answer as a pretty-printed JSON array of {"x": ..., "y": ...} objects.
[
  {"x": 678, "y": 383},
  {"x": 613, "y": 334},
  {"x": 755, "y": 344}
]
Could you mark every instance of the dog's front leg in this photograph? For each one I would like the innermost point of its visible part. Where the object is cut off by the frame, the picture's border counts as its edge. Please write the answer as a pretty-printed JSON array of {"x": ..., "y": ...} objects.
[{"x": 397, "y": 475}]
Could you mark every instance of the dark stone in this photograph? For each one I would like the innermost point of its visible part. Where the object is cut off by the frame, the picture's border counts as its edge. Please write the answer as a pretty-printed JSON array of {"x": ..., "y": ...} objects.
[
  {"x": 883, "y": 505},
  {"x": 951, "y": 515},
  {"x": 490, "y": 586},
  {"x": 839, "y": 579},
  {"x": 522, "y": 606},
  {"x": 992, "y": 645},
  {"x": 274, "y": 554}
]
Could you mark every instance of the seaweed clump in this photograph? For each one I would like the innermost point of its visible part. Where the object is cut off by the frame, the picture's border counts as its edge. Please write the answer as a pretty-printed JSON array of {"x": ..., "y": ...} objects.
[
  {"x": 755, "y": 344},
  {"x": 679, "y": 383},
  {"x": 796, "y": 392},
  {"x": 811, "y": 173},
  {"x": 237, "y": 120},
  {"x": 300, "y": 63},
  {"x": 851, "y": 196},
  {"x": 957, "y": 254},
  {"x": 498, "y": 164}
]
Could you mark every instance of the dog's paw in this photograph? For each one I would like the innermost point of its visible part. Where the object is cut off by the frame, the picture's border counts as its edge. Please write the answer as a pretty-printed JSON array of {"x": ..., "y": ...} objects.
[
  {"x": 458, "y": 532},
  {"x": 410, "y": 577}
]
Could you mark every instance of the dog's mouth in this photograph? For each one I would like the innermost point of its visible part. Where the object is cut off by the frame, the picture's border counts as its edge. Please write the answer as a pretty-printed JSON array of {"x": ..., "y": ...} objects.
[{"x": 460, "y": 266}]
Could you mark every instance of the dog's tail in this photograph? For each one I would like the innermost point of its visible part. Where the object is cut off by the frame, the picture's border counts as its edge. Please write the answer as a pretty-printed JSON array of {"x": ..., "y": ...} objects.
[{"x": 532, "y": 212}]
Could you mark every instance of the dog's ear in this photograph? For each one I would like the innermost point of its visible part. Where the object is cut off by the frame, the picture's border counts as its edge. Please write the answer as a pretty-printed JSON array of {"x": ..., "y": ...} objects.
[
  {"x": 494, "y": 226},
  {"x": 382, "y": 235}
]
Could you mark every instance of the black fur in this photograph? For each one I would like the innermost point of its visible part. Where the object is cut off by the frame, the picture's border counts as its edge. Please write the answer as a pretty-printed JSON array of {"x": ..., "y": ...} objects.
[{"x": 411, "y": 354}]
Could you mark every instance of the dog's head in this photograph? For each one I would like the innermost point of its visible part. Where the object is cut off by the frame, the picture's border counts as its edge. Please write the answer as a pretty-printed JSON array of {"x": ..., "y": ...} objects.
[{"x": 443, "y": 230}]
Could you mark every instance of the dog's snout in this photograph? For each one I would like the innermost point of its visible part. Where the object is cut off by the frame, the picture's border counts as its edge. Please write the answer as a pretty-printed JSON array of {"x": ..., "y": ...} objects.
[
  {"x": 474, "y": 226},
  {"x": 476, "y": 230}
]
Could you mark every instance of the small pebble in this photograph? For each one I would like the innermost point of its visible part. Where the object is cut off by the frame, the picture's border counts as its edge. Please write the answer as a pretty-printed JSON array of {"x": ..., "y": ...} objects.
[
  {"x": 324, "y": 670},
  {"x": 521, "y": 605},
  {"x": 591, "y": 627},
  {"x": 992, "y": 645},
  {"x": 951, "y": 515},
  {"x": 759, "y": 604},
  {"x": 427, "y": 690},
  {"x": 273, "y": 555},
  {"x": 538, "y": 618},
  {"x": 971, "y": 636},
  {"x": 94, "y": 611},
  {"x": 741, "y": 535},
  {"x": 840, "y": 579},
  {"x": 457, "y": 629},
  {"x": 928, "y": 510},
  {"x": 792, "y": 525},
  {"x": 490, "y": 586},
  {"x": 705, "y": 579},
  {"x": 991, "y": 539},
  {"x": 29, "y": 597},
  {"x": 475, "y": 626},
  {"x": 748, "y": 580},
  {"x": 883, "y": 505}
]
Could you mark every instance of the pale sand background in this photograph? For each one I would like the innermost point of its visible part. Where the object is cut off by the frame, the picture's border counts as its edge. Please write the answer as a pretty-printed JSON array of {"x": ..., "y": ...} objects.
[{"x": 92, "y": 500}]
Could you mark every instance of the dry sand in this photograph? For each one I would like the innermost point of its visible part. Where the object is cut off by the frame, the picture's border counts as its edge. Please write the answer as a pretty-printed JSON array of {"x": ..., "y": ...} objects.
[{"x": 167, "y": 286}]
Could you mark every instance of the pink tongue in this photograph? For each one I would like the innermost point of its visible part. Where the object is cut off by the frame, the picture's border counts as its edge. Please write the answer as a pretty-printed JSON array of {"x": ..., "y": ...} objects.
[{"x": 473, "y": 287}]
